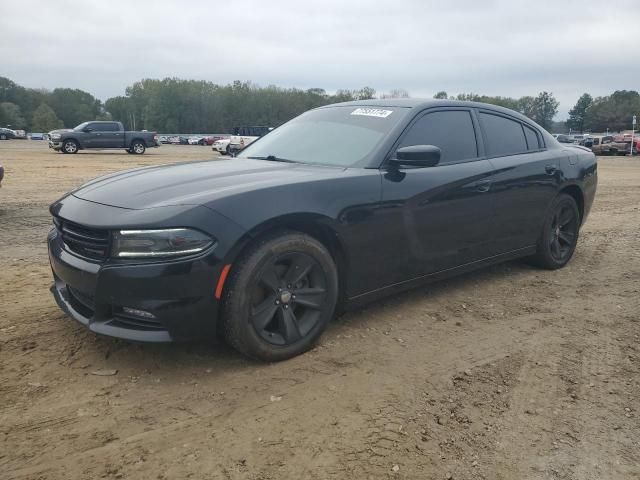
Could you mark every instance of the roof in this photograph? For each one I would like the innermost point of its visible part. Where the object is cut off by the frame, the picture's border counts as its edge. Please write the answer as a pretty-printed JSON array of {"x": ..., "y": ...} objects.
[{"x": 422, "y": 103}]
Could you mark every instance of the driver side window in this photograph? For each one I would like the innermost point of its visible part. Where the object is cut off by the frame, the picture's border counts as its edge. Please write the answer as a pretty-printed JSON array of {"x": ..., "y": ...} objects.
[{"x": 450, "y": 130}]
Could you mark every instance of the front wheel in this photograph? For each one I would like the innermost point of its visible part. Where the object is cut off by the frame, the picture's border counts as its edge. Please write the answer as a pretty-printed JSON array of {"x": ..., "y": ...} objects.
[
  {"x": 559, "y": 234},
  {"x": 138, "y": 147},
  {"x": 280, "y": 297},
  {"x": 70, "y": 146}
]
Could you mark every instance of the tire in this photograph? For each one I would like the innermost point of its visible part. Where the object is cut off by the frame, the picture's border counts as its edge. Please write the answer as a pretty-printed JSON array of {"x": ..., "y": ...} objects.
[
  {"x": 559, "y": 235},
  {"x": 263, "y": 315},
  {"x": 3, "y": 137},
  {"x": 138, "y": 147},
  {"x": 228, "y": 150},
  {"x": 613, "y": 151},
  {"x": 70, "y": 146},
  {"x": 129, "y": 151}
]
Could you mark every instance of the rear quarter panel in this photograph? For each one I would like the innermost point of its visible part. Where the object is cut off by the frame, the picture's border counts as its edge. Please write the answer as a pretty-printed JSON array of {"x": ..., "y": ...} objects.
[{"x": 580, "y": 168}]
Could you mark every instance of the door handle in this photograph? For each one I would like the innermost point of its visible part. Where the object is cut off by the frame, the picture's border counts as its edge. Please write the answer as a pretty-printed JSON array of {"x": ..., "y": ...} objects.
[
  {"x": 483, "y": 186},
  {"x": 550, "y": 169}
]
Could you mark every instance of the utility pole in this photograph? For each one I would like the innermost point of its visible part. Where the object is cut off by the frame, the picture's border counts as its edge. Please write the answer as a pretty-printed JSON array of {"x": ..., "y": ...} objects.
[{"x": 633, "y": 129}]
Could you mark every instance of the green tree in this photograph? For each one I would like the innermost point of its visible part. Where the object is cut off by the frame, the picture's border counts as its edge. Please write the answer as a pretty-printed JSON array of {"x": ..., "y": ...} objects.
[
  {"x": 543, "y": 108},
  {"x": 74, "y": 106},
  {"x": 441, "y": 95},
  {"x": 11, "y": 115},
  {"x": 396, "y": 93},
  {"x": 45, "y": 119},
  {"x": 578, "y": 114},
  {"x": 365, "y": 93},
  {"x": 613, "y": 112}
]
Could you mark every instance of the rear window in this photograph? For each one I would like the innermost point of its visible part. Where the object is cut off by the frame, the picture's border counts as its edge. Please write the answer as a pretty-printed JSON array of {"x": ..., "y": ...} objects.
[
  {"x": 504, "y": 136},
  {"x": 533, "y": 141}
]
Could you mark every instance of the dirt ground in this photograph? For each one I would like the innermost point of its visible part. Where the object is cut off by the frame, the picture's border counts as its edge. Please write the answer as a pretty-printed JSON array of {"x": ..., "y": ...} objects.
[{"x": 507, "y": 373}]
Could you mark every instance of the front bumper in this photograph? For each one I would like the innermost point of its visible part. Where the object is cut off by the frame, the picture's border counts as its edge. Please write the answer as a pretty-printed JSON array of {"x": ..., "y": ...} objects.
[
  {"x": 178, "y": 293},
  {"x": 56, "y": 145}
]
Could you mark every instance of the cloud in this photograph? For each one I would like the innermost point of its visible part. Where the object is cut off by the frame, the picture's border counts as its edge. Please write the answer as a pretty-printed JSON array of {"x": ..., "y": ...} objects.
[{"x": 493, "y": 47}]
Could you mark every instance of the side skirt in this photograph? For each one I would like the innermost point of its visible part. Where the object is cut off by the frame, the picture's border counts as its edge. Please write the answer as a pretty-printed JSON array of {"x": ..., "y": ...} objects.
[{"x": 373, "y": 295}]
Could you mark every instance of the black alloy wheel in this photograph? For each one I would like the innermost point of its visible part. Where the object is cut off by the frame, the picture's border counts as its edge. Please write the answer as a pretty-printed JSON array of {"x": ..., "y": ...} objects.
[
  {"x": 559, "y": 234},
  {"x": 279, "y": 297},
  {"x": 287, "y": 298},
  {"x": 564, "y": 232}
]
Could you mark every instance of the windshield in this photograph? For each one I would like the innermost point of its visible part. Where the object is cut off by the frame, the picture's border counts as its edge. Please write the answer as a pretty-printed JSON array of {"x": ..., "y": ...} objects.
[
  {"x": 81, "y": 126},
  {"x": 341, "y": 136}
]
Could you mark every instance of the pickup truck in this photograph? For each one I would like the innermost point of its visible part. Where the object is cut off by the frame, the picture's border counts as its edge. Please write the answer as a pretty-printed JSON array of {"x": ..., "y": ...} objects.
[
  {"x": 607, "y": 145},
  {"x": 243, "y": 136},
  {"x": 101, "y": 135}
]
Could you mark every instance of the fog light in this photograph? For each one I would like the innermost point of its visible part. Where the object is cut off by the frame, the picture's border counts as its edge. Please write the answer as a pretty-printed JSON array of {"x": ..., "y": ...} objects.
[{"x": 137, "y": 313}]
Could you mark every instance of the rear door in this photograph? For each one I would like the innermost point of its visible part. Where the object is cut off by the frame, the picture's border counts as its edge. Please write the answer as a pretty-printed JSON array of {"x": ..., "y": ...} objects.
[
  {"x": 110, "y": 135},
  {"x": 438, "y": 217},
  {"x": 526, "y": 179}
]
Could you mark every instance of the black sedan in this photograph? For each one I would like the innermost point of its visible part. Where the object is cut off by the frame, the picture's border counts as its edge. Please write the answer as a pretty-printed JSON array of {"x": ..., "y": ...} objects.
[{"x": 337, "y": 207}]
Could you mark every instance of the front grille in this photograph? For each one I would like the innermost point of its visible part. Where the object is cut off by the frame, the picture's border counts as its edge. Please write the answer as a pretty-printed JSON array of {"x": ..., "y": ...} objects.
[{"x": 86, "y": 242}]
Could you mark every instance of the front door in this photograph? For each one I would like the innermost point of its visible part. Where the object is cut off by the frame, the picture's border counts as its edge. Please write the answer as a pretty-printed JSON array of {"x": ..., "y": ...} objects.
[{"x": 439, "y": 217}]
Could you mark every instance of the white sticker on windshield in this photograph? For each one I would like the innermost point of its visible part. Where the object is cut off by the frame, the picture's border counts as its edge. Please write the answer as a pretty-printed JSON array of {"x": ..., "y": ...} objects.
[{"x": 372, "y": 112}]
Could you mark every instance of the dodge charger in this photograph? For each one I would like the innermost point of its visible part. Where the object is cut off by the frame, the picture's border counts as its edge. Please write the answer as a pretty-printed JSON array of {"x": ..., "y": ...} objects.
[{"x": 337, "y": 207}]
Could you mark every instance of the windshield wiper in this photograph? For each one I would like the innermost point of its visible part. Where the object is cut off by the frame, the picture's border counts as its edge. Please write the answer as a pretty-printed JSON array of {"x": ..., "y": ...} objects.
[{"x": 273, "y": 158}]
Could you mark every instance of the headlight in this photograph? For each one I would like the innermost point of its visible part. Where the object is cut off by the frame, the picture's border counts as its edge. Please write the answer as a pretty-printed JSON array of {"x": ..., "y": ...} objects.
[
  {"x": 55, "y": 136},
  {"x": 171, "y": 242}
]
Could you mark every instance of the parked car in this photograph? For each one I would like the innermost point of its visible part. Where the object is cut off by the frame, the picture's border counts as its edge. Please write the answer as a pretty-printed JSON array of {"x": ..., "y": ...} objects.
[
  {"x": 607, "y": 145},
  {"x": 562, "y": 138},
  {"x": 243, "y": 136},
  {"x": 337, "y": 207},
  {"x": 36, "y": 136},
  {"x": 163, "y": 139},
  {"x": 21, "y": 134},
  {"x": 221, "y": 146},
  {"x": 625, "y": 139},
  {"x": 102, "y": 135},
  {"x": 7, "y": 134}
]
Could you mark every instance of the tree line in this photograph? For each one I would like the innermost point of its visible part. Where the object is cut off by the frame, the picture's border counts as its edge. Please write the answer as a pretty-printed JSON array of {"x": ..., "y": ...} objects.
[{"x": 174, "y": 105}]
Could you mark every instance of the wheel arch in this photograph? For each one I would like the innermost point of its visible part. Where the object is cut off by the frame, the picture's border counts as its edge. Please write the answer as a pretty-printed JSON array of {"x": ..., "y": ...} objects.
[
  {"x": 575, "y": 191},
  {"x": 80, "y": 146},
  {"x": 315, "y": 225},
  {"x": 138, "y": 139}
]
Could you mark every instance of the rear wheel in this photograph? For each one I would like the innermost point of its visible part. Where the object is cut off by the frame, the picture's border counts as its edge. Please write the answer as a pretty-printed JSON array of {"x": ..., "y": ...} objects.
[
  {"x": 280, "y": 297},
  {"x": 138, "y": 147},
  {"x": 3, "y": 136},
  {"x": 559, "y": 234},
  {"x": 70, "y": 146}
]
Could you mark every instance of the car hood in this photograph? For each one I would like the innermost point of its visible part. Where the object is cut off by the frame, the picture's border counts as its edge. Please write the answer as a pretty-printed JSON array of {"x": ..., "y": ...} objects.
[{"x": 195, "y": 183}]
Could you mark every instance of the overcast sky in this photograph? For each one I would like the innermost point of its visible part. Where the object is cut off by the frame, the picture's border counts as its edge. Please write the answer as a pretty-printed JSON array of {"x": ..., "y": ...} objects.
[{"x": 510, "y": 48}]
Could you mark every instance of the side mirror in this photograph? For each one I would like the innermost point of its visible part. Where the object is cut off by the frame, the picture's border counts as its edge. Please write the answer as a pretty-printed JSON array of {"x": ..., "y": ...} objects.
[
  {"x": 87, "y": 129},
  {"x": 417, "y": 156}
]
